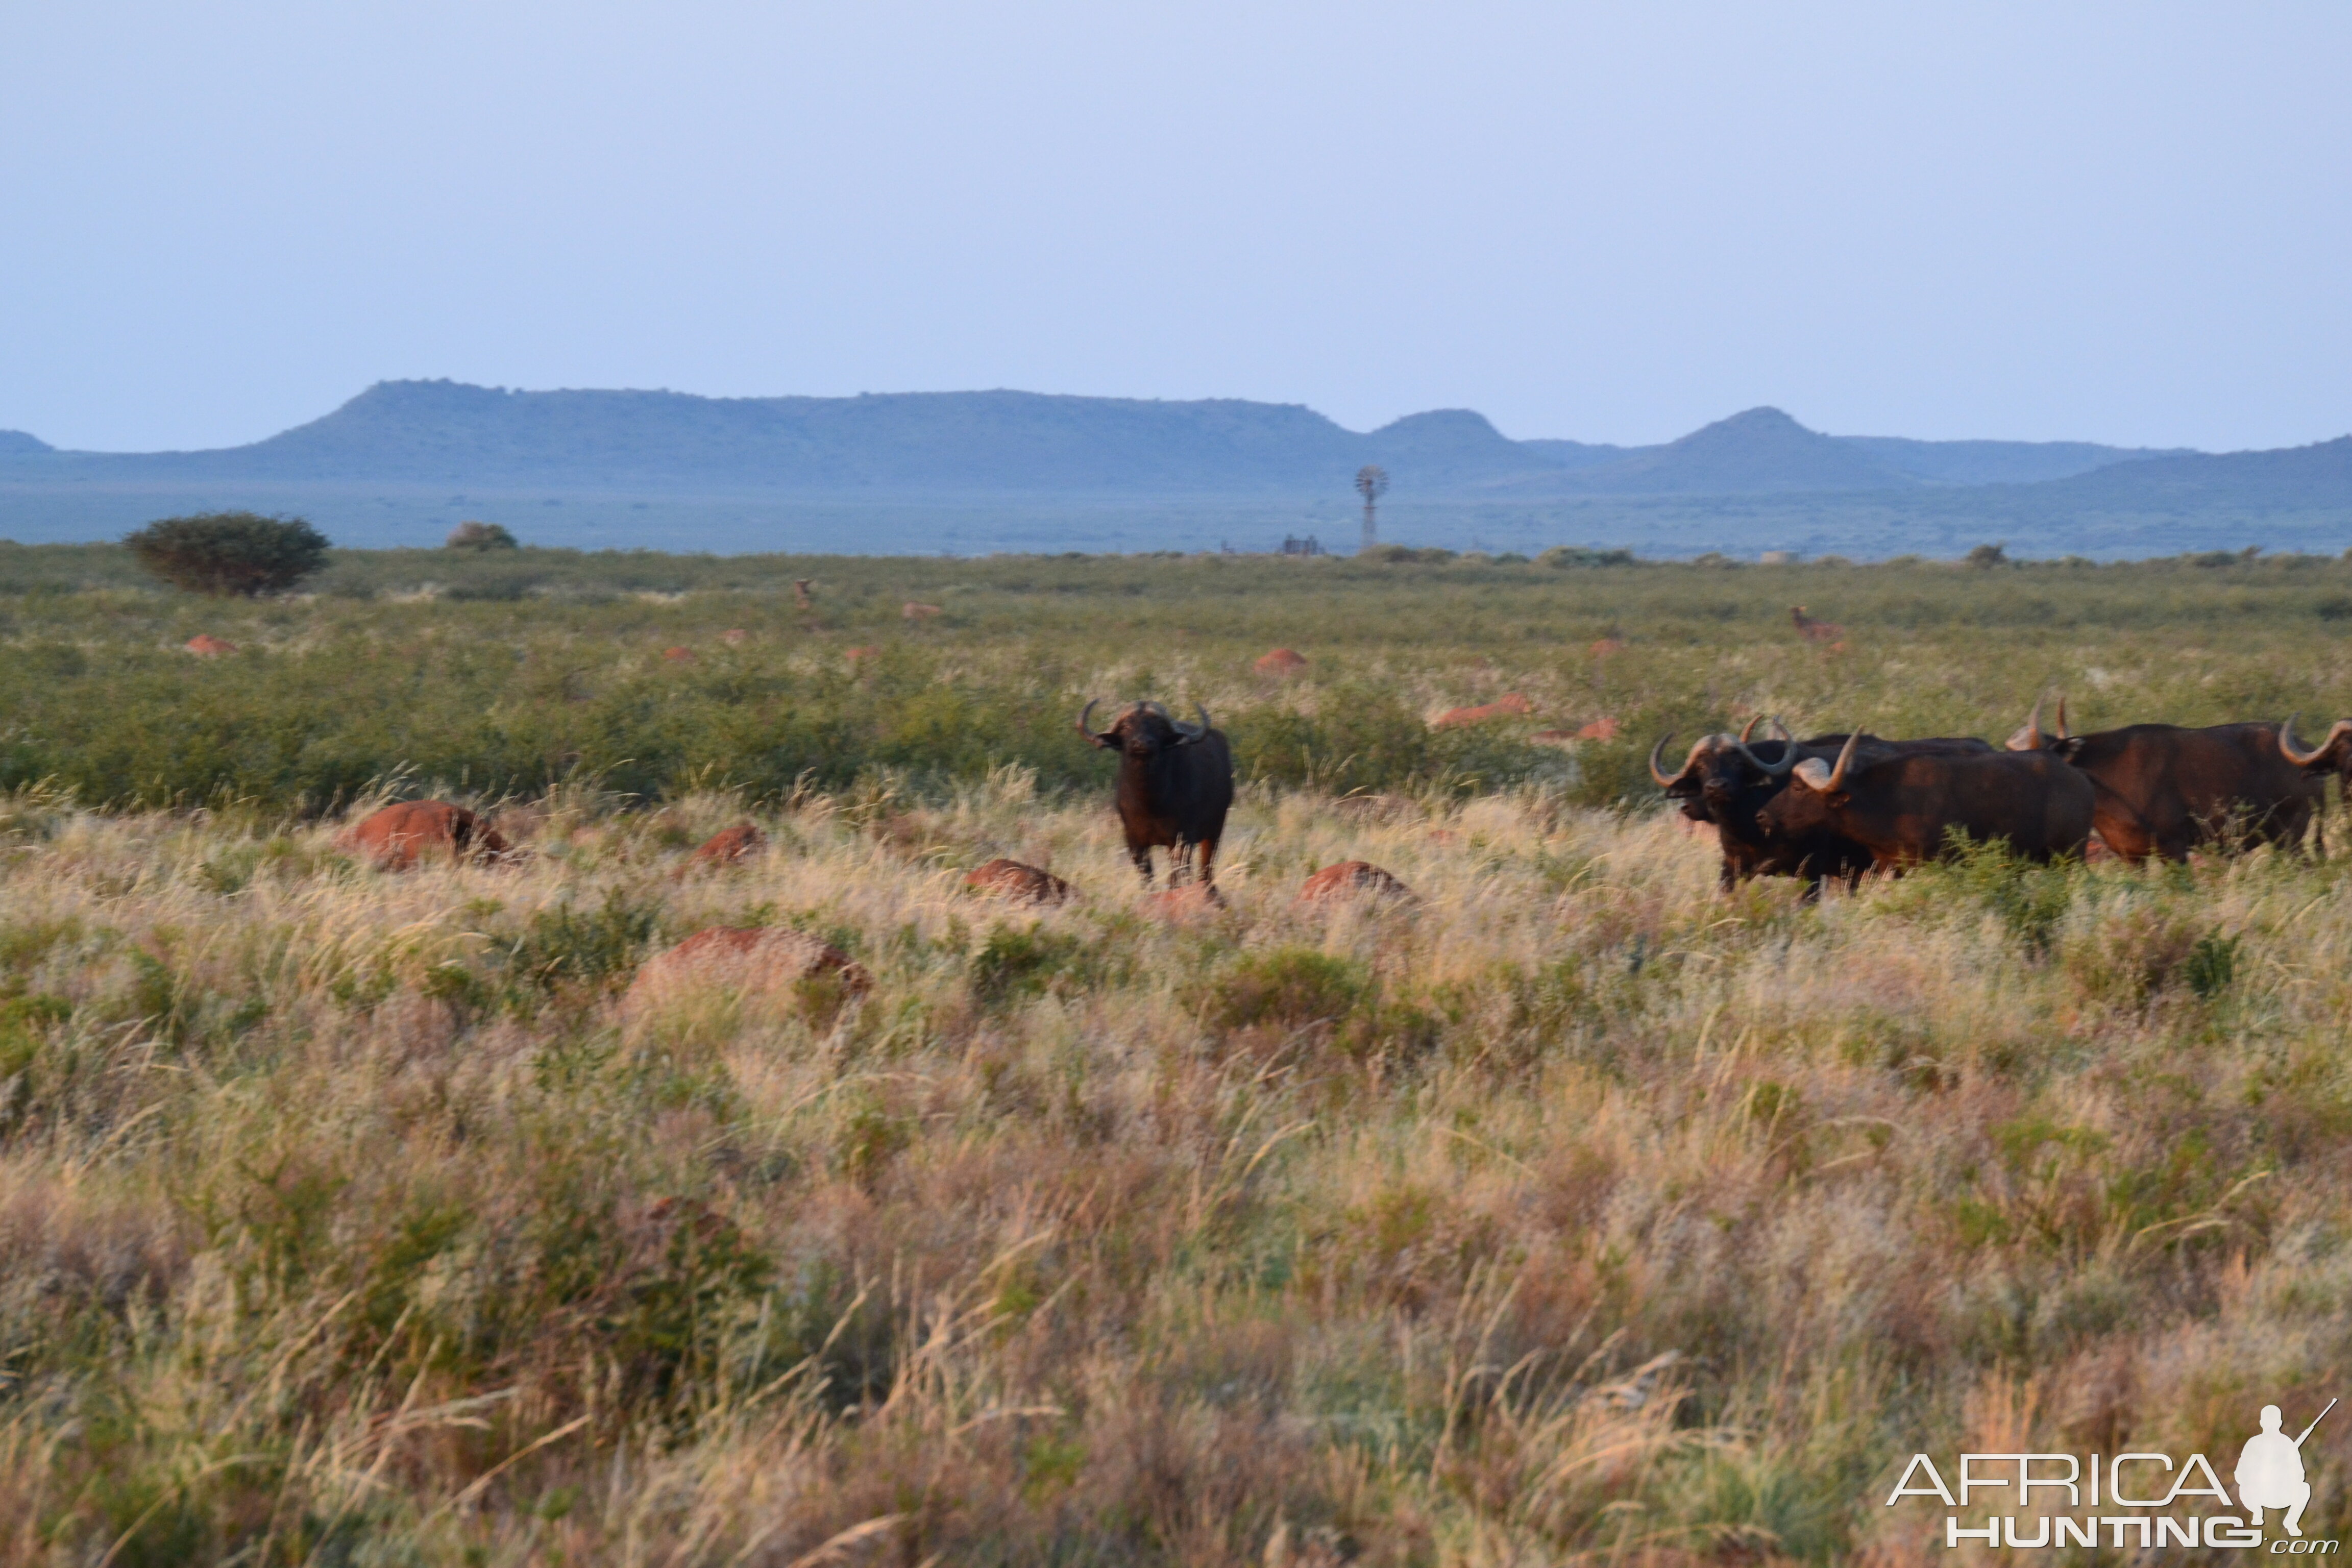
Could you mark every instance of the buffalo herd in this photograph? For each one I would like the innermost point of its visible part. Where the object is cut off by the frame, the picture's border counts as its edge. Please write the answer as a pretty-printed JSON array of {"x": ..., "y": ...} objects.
[
  {"x": 1831, "y": 808},
  {"x": 1837, "y": 805}
]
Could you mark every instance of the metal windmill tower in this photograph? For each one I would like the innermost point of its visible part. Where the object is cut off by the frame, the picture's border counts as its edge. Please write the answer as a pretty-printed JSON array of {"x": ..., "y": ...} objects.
[{"x": 1371, "y": 483}]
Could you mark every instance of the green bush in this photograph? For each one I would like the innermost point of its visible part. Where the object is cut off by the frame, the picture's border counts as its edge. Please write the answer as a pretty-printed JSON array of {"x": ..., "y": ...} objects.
[
  {"x": 480, "y": 537},
  {"x": 229, "y": 552},
  {"x": 598, "y": 948},
  {"x": 1015, "y": 962},
  {"x": 1565, "y": 555},
  {"x": 1290, "y": 985}
]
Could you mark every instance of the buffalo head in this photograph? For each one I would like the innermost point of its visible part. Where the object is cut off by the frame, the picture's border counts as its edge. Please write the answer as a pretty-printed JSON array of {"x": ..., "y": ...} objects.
[
  {"x": 1717, "y": 768},
  {"x": 1144, "y": 730}
]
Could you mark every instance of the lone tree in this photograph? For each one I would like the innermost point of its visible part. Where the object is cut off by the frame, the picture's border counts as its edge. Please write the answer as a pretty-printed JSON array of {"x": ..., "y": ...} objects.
[
  {"x": 1371, "y": 483},
  {"x": 480, "y": 536},
  {"x": 239, "y": 553}
]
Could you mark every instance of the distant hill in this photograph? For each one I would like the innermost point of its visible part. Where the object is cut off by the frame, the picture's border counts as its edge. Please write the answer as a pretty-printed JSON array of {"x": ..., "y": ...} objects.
[
  {"x": 1762, "y": 451},
  {"x": 2290, "y": 478},
  {"x": 15, "y": 443}
]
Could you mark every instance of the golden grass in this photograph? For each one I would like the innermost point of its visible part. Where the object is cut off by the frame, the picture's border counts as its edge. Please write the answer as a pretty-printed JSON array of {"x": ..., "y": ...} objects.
[{"x": 1576, "y": 1212}]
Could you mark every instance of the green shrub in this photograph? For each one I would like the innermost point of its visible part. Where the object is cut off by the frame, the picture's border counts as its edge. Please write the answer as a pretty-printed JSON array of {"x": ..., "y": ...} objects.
[
  {"x": 1291, "y": 985},
  {"x": 2213, "y": 964},
  {"x": 1014, "y": 962},
  {"x": 229, "y": 552},
  {"x": 599, "y": 947},
  {"x": 480, "y": 537},
  {"x": 1405, "y": 555},
  {"x": 1564, "y": 555}
]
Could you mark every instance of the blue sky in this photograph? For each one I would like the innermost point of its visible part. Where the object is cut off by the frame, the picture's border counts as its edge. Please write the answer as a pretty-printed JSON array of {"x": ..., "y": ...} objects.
[{"x": 2127, "y": 223}]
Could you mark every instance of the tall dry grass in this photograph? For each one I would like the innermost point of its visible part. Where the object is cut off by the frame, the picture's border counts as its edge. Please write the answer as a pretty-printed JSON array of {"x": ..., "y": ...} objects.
[{"x": 1577, "y": 1211}]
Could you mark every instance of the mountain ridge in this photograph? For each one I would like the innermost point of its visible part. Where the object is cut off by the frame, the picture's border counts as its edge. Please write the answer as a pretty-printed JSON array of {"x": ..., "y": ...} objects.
[
  {"x": 404, "y": 461},
  {"x": 1005, "y": 440}
]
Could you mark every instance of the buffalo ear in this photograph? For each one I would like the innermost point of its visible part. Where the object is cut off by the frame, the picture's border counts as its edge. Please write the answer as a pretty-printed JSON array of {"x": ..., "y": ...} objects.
[{"x": 1108, "y": 742}]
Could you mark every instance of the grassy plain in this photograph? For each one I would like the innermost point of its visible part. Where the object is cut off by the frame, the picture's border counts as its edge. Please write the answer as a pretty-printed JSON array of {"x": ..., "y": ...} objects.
[{"x": 1578, "y": 1212}]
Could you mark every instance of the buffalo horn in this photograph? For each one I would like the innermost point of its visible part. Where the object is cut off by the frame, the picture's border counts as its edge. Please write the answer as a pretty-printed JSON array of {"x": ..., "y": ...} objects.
[
  {"x": 1844, "y": 761},
  {"x": 2062, "y": 717},
  {"x": 1193, "y": 731},
  {"x": 2293, "y": 750},
  {"x": 1664, "y": 780},
  {"x": 2033, "y": 727},
  {"x": 1085, "y": 729},
  {"x": 1825, "y": 784},
  {"x": 1788, "y": 760}
]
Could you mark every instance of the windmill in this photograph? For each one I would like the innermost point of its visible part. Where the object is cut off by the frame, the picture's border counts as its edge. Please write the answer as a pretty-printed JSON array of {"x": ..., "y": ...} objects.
[{"x": 1371, "y": 483}]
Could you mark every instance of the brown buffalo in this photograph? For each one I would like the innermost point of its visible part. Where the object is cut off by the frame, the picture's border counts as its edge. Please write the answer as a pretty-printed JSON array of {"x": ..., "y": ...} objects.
[
  {"x": 396, "y": 838},
  {"x": 2162, "y": 790},
  {"x": 1351, "y": 880},
  {"x": 1175, "y": 787},
  {"x": 1904, "y": 805},
  {"x": 1728, "y": 780},
  {"x": 1023, "y": 884}
]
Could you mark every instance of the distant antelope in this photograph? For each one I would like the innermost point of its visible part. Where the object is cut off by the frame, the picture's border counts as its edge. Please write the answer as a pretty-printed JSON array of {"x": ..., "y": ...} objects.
[{"x": 1812, "y": 630}]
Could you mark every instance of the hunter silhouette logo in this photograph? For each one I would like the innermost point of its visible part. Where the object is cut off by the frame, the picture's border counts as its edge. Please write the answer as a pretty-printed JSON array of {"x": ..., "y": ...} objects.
[
  {"x": 2145, "y": 1499},
  {"x": 2269, "y": 1471}
]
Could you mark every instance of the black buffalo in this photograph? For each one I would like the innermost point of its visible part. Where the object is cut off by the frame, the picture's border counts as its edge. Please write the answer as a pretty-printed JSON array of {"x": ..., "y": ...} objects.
[{"x": 1175, "y": 785}]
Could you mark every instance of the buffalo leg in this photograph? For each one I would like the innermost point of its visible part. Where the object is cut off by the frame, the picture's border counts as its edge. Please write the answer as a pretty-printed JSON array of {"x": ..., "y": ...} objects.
[
  {"x": 1208, "y": 864},
  {"x": 1141, "y": 855}
]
